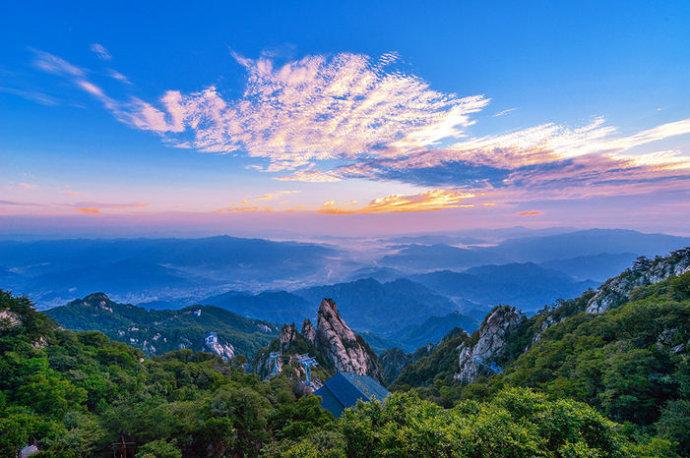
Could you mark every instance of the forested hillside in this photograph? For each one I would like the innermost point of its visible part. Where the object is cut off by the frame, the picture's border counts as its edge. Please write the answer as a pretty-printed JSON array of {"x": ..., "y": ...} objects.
[
  {"x": 75, "y": 394},
  {"x": 159, "y": 331},
  {"x": 629, "y": 362}
]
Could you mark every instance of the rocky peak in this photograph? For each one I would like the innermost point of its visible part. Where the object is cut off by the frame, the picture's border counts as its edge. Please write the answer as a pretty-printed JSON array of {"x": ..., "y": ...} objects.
[
  {"x": 98, "y": 300},
  {"x": 225, "y": 351},
  {"x": 308, "y": 331},
  {"x": 481, "y": 358},
  {"x": 643, "y": 272},
  {"x": 287, "y": 335},
  {"x": 347, "y": 351},
  {"x": 9, "y": 319}
]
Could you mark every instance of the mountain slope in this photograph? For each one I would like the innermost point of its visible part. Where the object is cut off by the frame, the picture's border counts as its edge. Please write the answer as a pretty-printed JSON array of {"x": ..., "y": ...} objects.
[
  {"x": 432, "y": 330},
  {"x": 630, "y": 359},
  {"x": 536, "y": 249},
  {"x": 332, "y": 343},
  {"x": 527, "y": 286},
  {"x": 156, "y": 332},
  {"x": 382, "y": 308},
  {"x": 598, "y": 267},
  {"x": 274, "y": 306},
  {"x": 56, "y": 271}
]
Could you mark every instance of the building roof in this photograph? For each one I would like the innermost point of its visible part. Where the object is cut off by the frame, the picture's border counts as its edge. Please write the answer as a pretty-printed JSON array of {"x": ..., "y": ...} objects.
[{"x": 344, "y": 389}]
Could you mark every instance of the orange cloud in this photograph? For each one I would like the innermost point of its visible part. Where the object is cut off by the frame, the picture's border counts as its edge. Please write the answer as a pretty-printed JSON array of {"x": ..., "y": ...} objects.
[
  {"x": 531, "y": 213},
  {"x": 89, "y": 210},
  {"x": 437, "y": 199}
]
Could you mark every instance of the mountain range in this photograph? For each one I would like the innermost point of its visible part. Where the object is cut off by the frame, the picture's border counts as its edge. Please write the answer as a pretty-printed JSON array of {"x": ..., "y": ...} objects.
[{"x": 200, "y": 328}]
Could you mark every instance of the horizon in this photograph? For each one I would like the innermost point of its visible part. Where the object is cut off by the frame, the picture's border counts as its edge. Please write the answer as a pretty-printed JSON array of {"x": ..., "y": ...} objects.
[{"x": 334, "y": 121}]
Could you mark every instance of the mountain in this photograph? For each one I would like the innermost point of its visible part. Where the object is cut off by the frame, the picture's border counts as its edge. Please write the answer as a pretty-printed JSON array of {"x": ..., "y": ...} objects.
[
  {"x": 78, "y": 393},
  {"x": 536, "y": 249},
  {"x": 416, "y": 257},
  {"x": 596, "y": 267},
  {"x": 380, "y": 274},
  {"x": 501, "y": 340},
  {"x": 432, "y": 330},
  {"x": 382, "y": 308},
  {"x": 527, "y": 286},
  {"x": 332, "y": 343},
  {"x": 142, "y": 270},
  {"x": 589, "y": 243},
  {"x": 275, "y": 306},
  {"x": 200, "y": 328},
  {"x": 623, "y": 348}
]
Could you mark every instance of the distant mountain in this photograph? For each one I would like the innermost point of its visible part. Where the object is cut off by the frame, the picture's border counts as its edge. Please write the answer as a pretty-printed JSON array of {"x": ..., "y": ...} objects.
[
  {"x": 382, "y": 308},
  {"x": 381, "y": 274},
  {"x": 142, "y": 270},
  {"x": 200, "y": 328},
  {"x": 527, "y": 285},
  {"x": 537, "y": 249},
  {"x": 439, "y": 256},
  {"x": 432, "y": 330},
  {"x": 275, "y": 306},
  {"x": 596, "y": 267},
  {"x": 589, "y": 243}
]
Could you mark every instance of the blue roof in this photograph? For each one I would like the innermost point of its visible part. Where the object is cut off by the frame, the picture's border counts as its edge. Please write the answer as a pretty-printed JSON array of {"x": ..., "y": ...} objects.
[{"x": 344, "y": 389}]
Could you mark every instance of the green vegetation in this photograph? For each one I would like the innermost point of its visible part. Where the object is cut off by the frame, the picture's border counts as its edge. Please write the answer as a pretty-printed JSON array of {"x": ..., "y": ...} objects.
[
  {"x": 609, "y": 385},
  {"x": 75, "y": 393},
  {"x": 631, "y": 363},
  {"x": 517, "y": 422},
  {"x": 160, "y": 331}
]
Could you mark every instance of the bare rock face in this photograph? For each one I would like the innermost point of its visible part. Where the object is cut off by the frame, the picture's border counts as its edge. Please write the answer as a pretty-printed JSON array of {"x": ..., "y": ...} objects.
[
  {"x": 347, "y": 351},
  {"x": 225, "y": 351},
  {"x": 9, "y": 319},
  {"x": 644, "y": 272},
  {"x": 287, "y": 335},
  {"x": 98, "y": 300},
  {"x": 308, "y": 331},
  {"x": 331, "y": 342},
  {"x": 480, "y": 358}
]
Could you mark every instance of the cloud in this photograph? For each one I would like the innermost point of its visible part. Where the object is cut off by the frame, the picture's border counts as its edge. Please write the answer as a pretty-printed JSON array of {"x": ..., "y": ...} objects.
[
  {"x": 114, "y": 74},
  {"x": 55, "y": 65},
  {"x": 311, "y": 176},
  {"x": 313, "y": 109},
  {"x": 437, "y": 199},
  {"x": 504, "y": 112},
  {"x": 32, "y": 95},
  {"x": 277, "y": 194},
  {"x": 100, "y": 51},
  {"x": 366, "y": 119},
  {"x": 531, "y": 213},
  {"x": 98, "y": 208},
  {"x": 89, "y": 210}
]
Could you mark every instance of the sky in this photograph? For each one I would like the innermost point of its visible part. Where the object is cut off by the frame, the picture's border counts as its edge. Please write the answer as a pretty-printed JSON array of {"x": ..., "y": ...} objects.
[{"x": 358, "y": 118}]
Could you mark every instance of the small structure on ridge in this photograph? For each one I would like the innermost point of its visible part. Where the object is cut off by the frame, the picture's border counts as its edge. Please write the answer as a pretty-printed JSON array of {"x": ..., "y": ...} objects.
[{"x": 344, "y": 389}]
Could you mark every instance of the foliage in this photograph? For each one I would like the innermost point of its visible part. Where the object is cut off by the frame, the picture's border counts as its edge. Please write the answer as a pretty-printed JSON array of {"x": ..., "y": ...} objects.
[
  {"x": 517, "y": 422},
  {"x": 159, "y": 331},
  {"x": 75, "y": 394}
]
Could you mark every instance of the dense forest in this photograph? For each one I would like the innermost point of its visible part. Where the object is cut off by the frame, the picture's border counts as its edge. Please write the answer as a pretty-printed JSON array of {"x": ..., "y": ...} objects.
[{"x": 592, "y": 386}]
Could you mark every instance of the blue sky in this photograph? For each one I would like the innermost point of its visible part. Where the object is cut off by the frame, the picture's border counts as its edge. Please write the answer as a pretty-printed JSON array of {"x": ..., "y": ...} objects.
[{"x": 562, "y": 92}]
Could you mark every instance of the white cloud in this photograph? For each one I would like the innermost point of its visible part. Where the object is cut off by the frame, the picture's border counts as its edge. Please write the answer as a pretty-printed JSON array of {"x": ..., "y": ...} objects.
[
  {"x": 100, "y": 51},
  {"x": 313, "y": 109}
]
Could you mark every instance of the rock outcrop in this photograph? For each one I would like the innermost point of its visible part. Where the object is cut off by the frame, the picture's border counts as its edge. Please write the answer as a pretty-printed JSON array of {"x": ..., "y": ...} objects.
[
  {"x": 225, "y": 351},
  {"x": 308, "y": 331},
  {"x": 9, "y": 319},
  {"x": 644, "y": 272},
  {"x": 332, "y": 342},
  {"x": 346, "y": 350},
  {"x": 287, "y": 335},
  {"x": 481, "y": 358}
]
